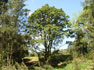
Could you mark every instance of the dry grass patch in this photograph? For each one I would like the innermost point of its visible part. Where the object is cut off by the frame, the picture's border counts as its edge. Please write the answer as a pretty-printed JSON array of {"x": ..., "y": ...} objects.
[{"x": 32, "y": 59}]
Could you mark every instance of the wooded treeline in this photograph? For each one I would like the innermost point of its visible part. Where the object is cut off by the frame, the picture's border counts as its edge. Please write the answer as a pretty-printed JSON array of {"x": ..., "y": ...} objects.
[
  {"x": 46, "y": 26},
  {"x": 13, "y": 44}
]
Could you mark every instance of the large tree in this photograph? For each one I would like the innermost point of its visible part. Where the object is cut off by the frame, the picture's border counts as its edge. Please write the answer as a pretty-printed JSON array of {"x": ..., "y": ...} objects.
[{"x": 47, "y": 27}]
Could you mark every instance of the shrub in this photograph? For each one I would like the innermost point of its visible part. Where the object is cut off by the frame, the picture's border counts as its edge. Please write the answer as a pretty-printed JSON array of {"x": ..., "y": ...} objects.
[
  {"x": 38, "y": 68},
  {"x": 48, "y": 67},
  {"x": 91, "y": 67},
  {"x": 21, "y": 67},
  {"x": 10, "y": 67},
  {"x": 76, "y": 67},
  {"x": 15, "y": 67},
  {"x": 57, "y": 58},
  {"x": 90, "y": 55}
]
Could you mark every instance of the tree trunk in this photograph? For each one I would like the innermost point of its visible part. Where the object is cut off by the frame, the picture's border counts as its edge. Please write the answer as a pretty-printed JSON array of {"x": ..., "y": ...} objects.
[{"x": 46, "y": 52}]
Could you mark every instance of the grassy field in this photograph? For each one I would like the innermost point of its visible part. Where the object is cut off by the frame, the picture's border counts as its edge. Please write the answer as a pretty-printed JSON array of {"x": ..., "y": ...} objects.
[{"x": 81, "y": 66}]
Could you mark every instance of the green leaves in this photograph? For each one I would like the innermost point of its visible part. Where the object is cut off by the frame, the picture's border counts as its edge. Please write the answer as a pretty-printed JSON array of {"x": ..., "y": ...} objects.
[
  {"x": 47, "y": 26},
  {"x": 48, "y": 21},
  {"x": 13, "y": 45},
  {"x": 84, "y": 28}
]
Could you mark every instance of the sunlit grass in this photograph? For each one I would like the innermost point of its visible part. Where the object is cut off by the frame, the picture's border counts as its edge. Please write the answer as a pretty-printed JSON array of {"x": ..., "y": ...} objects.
[
  {"x": 31, "y": 59},
  {"x": 71, "y": 66}
]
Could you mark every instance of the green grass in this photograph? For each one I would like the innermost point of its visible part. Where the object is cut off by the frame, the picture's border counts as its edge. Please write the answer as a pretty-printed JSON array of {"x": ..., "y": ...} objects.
[
  {"x": 83, "y": 64},
  {"x": 71, "y": 66}
]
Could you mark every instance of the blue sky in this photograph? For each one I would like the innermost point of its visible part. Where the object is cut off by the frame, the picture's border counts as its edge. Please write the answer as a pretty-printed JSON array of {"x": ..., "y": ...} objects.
[{"x": 69, "y": 6}]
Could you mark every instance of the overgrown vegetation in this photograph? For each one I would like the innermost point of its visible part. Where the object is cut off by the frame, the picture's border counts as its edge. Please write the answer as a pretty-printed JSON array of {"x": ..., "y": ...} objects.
[{"x": 47, "y": 26}]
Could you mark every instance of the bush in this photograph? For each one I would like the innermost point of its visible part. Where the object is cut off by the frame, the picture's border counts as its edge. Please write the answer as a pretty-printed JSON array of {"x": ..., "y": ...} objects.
[
  {"x": 45, "y": 67},
  {"x": 21, "y": 67},
  {"x": 15, "y": 67},
  {"x": 48, "y": 67},
  {"x": 59, "y": 57},
  {"x": 76, "y": 67},
  {"x": 10, "y": 67},
  {"x": 90, "y": 55},
  {"x": 38, "y": 68}
]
